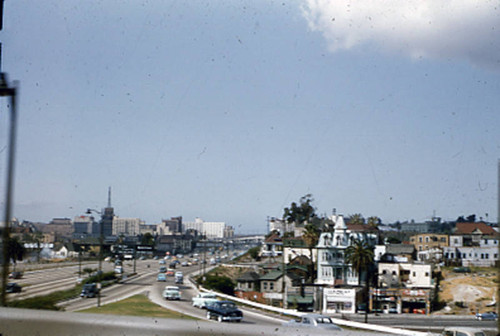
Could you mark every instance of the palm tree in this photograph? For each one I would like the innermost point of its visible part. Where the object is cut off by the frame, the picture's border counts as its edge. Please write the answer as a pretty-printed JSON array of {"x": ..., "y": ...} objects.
[
  {"x": 311, "y": 237},
  {"x": 360, "y": 256},
  {"x": 356, "y": 219}
]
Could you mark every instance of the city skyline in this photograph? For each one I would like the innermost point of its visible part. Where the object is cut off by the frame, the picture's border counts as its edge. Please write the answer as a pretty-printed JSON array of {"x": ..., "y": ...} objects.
[{"x": 230, "y": 111}]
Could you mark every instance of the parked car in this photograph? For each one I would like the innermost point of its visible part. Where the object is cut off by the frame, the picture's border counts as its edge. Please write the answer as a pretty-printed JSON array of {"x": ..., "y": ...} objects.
[
  {"x": 202, "y": 300},
  {"x": 89, "y": 290},
  {"x": 487, "y": 316},
  {"x": 313, "y": 321},
  {"x": 462, "y": 331},
  {"x": 224, "y": 311},
  {"x": 13, "y": 287},
  {"x": 15, "y": 275},
  {"x": 161, "y": 277},
  {"x": 461, "y": 270},
  {"x": 171, "y": 293}
]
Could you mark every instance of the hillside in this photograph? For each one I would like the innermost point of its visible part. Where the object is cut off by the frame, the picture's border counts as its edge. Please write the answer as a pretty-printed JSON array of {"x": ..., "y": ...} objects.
[{"x": 468, "y": 293}]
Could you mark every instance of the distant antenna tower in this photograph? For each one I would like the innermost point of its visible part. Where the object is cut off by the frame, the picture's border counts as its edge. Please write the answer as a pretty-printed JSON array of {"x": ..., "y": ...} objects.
[{"x": 109, "y": 197}]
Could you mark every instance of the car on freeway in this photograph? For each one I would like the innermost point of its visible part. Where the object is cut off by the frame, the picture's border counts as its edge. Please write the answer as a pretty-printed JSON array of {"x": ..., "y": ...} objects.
[
  {"x": 161, "y": 277},
  {"x": 162, "y": 262},
  {"x": 179, "y": 277},
  {"x": 172, "y": 293},
  {"x": 89, "y": 290},
  {"x": 184, "y": 264},
  {"x": 224, "y": 311},
  {"x": 202, "y": 300},
  {"x": 162, "y": 269},
  {"x": 462, "y": 331},
  {"x": 13, "y": 287},
  {"x": 16, "y": 275},
  {"x": 170, "y": 272},
  {"x": 491, "y": 315},
  {"x": 313, "y": 321}
]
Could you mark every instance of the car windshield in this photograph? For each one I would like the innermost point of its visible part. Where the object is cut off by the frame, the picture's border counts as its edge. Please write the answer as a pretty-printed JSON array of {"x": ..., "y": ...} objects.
[
  {"x": 324, "y": 320},
  {"x": 228, "y": 305}
]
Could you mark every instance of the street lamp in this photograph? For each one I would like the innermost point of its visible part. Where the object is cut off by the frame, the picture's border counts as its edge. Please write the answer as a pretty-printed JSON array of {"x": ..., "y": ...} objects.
[
  {"x": 6, "y": 91},
  {"x": 101, "y": 239}
]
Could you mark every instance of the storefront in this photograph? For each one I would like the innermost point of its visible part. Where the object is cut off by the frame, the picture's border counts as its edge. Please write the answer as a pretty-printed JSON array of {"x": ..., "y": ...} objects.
[
  {"x": 400, "y": 300},
  {"x": 339, "y": 300}
]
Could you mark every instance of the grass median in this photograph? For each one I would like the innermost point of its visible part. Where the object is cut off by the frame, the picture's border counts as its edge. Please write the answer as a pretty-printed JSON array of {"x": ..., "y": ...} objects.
[{"x": 137, "y": 305}]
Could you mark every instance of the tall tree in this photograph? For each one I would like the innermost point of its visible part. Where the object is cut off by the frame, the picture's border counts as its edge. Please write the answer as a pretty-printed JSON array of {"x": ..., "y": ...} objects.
[
  {"x": 311, "y": 237},
  {"x": 147, "y": 239},
  {"x": 300, "y": 213},
  {"x": 360, "y": 256}
]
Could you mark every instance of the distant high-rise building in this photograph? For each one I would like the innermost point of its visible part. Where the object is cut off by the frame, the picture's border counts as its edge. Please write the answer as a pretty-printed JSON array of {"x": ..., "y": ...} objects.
[
  {"x": 83, "y": 224},
  {"x": 209, "y": 229},
  {"x": 126, "y": 226},
  {"x": 107, "y": 217},
  {"x": 174, "y": 224}
]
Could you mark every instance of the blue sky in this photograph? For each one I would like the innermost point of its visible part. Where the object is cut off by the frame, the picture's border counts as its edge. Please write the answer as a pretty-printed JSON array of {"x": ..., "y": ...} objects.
[{"x": 231, "y": 110}]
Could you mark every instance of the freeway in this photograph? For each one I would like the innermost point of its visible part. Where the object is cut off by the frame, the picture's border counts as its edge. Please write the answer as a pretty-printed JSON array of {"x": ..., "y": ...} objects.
[{"x": 42, "y": 281}]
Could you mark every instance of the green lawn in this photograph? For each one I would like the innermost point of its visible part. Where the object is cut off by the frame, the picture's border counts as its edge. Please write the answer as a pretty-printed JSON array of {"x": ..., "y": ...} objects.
[{"x": 138, "y": 305}]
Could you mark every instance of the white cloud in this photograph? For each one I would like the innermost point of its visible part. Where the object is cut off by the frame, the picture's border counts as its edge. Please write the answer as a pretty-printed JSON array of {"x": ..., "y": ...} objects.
[{"x": 445, "y": 29}]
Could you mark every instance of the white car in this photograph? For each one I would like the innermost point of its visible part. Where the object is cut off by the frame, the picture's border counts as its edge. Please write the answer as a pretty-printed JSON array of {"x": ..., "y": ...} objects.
[
  {"x": 462, "y": 331},
  {"x": 202, "y": 300},
  {"x": 171, "y": 293}
]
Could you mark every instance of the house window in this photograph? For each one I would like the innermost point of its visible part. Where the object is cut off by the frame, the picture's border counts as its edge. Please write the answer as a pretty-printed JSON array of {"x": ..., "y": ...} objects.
[
  {"x": 487, "y": 256},
  {"x": 264, "y": 285},
  {"x": 394, "y": 273},
  {"x": 420, "y": 239},
  {"x": 414, "y": 274},
  {"x": 271, "y": 286},
  {"x": 426, "y": 274},
  {"x": 384, "y": 272},
  {"x": 426, "y": 239}
]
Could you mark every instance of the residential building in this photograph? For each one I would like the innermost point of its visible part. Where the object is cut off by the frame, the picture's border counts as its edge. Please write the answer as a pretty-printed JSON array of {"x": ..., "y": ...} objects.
[
  {"x": 403, "y": 288},
  {"x": 272, "y": 246},
  {"x": 473, "y": 244},
  {"x": 394, "y": 253},
  {"x": 332, "y": 269},
  {"x": 428, "y": 241}
]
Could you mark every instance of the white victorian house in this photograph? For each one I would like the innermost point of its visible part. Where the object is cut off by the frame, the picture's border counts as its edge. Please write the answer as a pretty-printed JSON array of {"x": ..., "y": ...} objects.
[{"x": 332, "y": 268}]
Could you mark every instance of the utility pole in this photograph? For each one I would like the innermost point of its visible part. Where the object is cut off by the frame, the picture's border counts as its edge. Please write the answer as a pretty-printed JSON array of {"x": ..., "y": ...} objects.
[{"x": 7, "y": 91}]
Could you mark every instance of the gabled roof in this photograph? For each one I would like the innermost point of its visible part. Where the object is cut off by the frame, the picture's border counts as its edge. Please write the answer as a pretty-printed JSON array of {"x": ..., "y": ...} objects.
[
  {"x": 274, "y": 238},
  {"x": 275, "y": 275},
  {"x": 248, "y": 277},
  {"x": 474, "y": 228},
  {"x": 361, "y": 228}
]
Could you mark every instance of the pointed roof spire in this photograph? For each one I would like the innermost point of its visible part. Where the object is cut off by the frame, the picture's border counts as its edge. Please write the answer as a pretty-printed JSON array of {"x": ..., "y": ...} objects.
[
  {"x": 109, "y": 197},
  {"x": 339, "y": 222}
]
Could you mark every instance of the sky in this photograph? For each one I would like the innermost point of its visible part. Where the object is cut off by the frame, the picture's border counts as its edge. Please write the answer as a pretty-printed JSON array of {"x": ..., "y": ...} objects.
[{"x": 231, "y": 110}]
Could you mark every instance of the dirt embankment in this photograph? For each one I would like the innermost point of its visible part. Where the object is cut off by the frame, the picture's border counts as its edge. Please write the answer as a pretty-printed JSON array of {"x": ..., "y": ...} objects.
[{"x": 468, "y": 293}]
